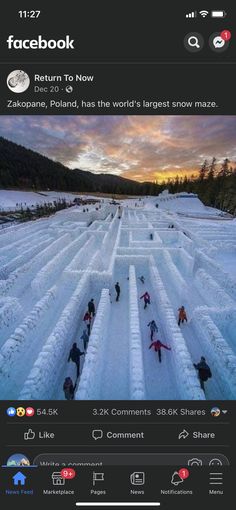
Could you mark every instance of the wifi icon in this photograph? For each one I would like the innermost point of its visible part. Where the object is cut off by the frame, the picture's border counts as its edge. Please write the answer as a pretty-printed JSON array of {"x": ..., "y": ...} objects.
[{"x": 204, "y": 14}]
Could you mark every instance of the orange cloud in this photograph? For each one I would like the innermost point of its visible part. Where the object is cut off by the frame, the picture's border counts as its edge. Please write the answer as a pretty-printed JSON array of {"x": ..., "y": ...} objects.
[{"x": 144, "y": 148}]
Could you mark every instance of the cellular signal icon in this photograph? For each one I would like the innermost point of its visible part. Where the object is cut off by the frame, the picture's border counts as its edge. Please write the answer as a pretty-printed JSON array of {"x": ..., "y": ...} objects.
[
  {"x": 204, "y": 14},
  {"x": 192, "y": 14}
]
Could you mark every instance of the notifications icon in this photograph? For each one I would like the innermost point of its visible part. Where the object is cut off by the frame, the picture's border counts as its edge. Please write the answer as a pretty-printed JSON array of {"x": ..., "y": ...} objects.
[{"x": 97, "y": 434}]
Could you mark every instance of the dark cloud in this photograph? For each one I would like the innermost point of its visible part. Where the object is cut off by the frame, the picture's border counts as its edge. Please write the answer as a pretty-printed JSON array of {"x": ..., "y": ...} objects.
[{"x": 139, "y": 147}]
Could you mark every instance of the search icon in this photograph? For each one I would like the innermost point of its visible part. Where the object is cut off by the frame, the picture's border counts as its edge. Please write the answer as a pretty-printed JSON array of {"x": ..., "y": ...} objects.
[{"x": 193, "y": 42}]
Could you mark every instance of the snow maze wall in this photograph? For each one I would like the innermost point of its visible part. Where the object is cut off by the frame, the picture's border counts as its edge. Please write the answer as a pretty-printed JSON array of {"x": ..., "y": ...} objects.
[{"x": 51, "y": 268}]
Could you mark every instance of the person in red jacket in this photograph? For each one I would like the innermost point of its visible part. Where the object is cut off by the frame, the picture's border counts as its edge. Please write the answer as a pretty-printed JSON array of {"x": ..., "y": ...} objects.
[
  {"x": 157, "y": 347},
  {"x": 88, "y": 319},
  {"x": 146, "y": 298}
]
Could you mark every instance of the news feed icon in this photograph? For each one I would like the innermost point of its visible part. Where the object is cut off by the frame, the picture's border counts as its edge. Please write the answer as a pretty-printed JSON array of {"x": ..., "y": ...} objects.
[{"x": 18, "y": 81}]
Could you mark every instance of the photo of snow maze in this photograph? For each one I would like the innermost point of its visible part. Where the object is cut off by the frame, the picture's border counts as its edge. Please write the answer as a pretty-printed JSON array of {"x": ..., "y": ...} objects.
[{"x": 179, "y": 252}]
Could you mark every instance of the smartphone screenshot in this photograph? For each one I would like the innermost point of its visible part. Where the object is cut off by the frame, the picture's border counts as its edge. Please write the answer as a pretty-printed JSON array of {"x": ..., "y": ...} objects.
[{"x": 117, "y": 255}]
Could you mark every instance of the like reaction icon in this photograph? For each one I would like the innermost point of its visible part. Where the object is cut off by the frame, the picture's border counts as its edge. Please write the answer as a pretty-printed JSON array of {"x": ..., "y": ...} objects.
[{"x": 29, "y": 435}]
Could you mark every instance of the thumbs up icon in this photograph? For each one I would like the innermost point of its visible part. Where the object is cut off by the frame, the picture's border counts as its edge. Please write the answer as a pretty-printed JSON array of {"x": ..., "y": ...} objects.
[{"x": 29, "y": 435}]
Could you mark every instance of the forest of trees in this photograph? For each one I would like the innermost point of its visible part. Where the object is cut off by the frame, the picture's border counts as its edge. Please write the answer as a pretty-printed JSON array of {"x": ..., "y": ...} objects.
[
  {"x": 21, "y": 168},
  {"x": 215, "y": 185}
]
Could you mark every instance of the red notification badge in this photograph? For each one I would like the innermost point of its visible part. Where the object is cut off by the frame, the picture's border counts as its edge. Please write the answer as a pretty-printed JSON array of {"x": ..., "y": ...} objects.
[
  {"x": 68, "y": 473},
  {"x": 225, "y": 35},
  {"x": 183, "y": 473}
]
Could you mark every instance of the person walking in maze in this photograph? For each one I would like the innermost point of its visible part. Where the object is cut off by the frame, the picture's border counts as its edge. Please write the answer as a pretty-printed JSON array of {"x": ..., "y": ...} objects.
[
  {"x": 87, "y": 319},
  {"x": 204, "y": 371},
  {"x": 117, "y": 288},
  {"x": 157, "y": 345},
  {"x": 142, "y": 279},
  {"x": 85, "y": 338},
  {"x": 182, "y": 315},
  {"x": 153, "y": 327},
  {"x": 69, "y": 389},
  {"x": 146, "y": 298},
  {"x": 91, "y": 307},
  {"x": 74, "y": 356}
]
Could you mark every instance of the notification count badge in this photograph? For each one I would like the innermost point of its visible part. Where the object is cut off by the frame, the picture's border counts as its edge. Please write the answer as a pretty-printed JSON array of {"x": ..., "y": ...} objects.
[{"x": 68, "y": 473}]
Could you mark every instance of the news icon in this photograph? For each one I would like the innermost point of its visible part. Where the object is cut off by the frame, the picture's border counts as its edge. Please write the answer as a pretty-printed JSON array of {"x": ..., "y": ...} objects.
[{"x": 137, "y": 478}]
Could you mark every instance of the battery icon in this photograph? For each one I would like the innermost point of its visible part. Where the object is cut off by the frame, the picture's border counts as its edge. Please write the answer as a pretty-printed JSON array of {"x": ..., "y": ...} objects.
[{"x": 218, "y": 14}]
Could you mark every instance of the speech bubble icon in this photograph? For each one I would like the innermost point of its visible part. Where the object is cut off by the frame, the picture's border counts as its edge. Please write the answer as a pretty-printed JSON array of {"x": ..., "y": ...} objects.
[{"x": 97, "y": 434}]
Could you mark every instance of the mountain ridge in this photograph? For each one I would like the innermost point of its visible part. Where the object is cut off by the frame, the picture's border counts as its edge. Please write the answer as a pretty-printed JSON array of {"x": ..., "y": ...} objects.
[{"x": 24, "y": 168}]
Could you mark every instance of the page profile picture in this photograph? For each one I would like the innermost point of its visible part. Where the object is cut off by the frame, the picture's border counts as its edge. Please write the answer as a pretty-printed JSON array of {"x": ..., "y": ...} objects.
[{"x": 18, "y": 81}]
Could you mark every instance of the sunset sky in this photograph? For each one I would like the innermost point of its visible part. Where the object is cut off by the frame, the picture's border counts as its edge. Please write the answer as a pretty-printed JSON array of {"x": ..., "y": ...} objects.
[{"x": 143, "y": 148}]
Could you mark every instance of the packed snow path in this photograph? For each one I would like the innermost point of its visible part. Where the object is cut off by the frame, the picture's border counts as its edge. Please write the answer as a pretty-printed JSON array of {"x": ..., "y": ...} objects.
[{"x": 52, "y": 267}]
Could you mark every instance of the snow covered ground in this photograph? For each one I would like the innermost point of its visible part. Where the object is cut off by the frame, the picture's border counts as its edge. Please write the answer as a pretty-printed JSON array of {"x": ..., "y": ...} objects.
[
  {"x": 14, "y": 200},
  {"x": 52, "y": 267}
]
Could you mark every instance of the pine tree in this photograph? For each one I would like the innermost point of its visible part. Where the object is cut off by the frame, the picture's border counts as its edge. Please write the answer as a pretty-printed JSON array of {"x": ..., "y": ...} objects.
[
  {"x": 203, "y": 171},
  {"x": 212, "y": 170},
  {"x": 224, "y": 171}
]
